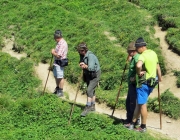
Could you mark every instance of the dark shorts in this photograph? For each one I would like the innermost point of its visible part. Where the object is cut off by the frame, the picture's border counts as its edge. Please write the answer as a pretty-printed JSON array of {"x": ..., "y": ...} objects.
[{"x": 92, "y": 84}]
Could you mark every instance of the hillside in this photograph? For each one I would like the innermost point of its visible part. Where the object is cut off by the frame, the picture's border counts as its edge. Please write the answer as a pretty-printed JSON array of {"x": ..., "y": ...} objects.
[
  {"x": 153, "y": 123},
  {"x": 26, "y": 38}
]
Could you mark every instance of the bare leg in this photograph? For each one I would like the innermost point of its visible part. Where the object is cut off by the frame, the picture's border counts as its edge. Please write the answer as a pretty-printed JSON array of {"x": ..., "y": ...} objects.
[
  {"x": 136, "y": 113},
  {"x": 60, "y": 82},
  {"x": 93, "y": 99},
  {"x": 89, "y": 99},
  {"x": 143, "y": 113}
]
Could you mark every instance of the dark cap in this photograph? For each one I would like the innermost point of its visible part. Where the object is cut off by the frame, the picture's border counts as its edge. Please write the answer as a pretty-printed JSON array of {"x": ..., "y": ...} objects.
[
  {"x": 140, "y": 42},
  {"x": 58, "y": 33},
  {"x": 131, "y": 46}
]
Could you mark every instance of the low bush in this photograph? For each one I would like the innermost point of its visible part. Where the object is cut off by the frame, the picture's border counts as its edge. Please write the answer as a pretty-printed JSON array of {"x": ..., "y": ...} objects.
[
  {"x": 169, "y": 103},
  {"x": 17, "y": 77},
  {"x": 177, "y": 74},
  {"x": 168, "y": 18},
  {"x": 46, "y": 117}
]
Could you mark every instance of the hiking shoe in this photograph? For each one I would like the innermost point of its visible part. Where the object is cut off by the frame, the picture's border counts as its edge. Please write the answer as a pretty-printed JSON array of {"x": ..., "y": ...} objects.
[
  {"x": 59, "y": 93},
  {"x": 93, "y": 107},
  {"x": 137, "y": 122},
  {"x": 139, "y": 129},
  {"x": 129, "y": 126},
  {"x": 126, "y": 121},
  {"x": 55, "y": 90},
  {"x": 87, "y": 109}
]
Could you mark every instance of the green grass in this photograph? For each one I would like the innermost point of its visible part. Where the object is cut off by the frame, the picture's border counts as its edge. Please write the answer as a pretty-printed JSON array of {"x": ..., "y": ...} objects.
[
  {"x": 169, "y": 104},
  {"x": 17, "y": 77},
  {"x": 177, "y": 74},
  {"x": 168, "y": 17},
  {"x": 25, "y": 114},
  {"x": 33, "y": 23},
  {"x": 46, "y": 117}
]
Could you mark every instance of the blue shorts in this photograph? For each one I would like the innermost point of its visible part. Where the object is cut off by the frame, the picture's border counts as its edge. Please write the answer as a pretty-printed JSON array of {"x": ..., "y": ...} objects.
[
  {"x": 143, "y": 93},
  {"x": 58, "y": 71}
]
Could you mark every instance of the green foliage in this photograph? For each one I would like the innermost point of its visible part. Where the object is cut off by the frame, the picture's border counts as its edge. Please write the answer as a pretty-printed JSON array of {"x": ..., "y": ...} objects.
[
  {"x": 168, "y": 17},
  {"x": 177, "y": 74},
  {"x": 25, "y": 115},
  {"x": 17, "y": 75},
  {"x": 169, "y": 103},
  {"x": 46, "y": 117},
  {"x": 31, "y": 33},
  {"x": 33, "y": 23},
  {"x": 6, "y": 102}
]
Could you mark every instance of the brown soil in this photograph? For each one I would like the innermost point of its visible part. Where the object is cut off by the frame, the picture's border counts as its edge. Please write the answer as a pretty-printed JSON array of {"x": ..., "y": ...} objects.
[
  {"x": 8, "y": 48},
  {"x": 169, "y": 80},
  {"x": 170, "y": 127}
]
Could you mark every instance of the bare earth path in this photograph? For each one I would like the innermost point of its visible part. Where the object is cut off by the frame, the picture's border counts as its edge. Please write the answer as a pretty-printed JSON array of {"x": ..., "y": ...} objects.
[
  {"x": 172, "y": 63},
  {"x": 170, "y": 127}
]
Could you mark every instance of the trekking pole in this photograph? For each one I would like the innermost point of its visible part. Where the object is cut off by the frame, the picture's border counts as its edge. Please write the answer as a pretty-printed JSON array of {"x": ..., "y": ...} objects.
[
  {"x": 72, "y": 108},
  {"x": 120, "y": 85},
  {"x": 48, "y": 74},
  {"x": 160, "y": 111}
]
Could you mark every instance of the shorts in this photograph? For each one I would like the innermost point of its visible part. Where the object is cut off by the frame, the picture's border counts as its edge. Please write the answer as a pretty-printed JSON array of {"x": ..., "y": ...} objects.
[
  {"x": 92, "y": 84},
  {"x": 143, "y": 93},
  {"x": 58, "y": 71}
]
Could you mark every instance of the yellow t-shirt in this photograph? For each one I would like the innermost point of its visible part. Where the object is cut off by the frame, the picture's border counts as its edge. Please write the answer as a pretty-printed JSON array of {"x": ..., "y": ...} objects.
[{"x": 150, "y": 61}]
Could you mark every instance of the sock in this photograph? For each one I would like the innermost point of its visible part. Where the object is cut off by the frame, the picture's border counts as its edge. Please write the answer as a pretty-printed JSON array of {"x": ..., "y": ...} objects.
[
  {"x": 88, "y": 104},
  {"x": 92, "y": 103},
  {"x": 60, "y": 89},
  {"x": 143, "y": 126}
]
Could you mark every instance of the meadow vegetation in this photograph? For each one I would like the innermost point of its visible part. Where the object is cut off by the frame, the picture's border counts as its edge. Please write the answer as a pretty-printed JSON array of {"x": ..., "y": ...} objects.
[
  {"x": 26, "y": 114},
  {"x": 177, "y": 74},
  {"x": 169, "y": 103},
  {"x": 168, "y": 18},
  {"x": 33, "y": 23}
]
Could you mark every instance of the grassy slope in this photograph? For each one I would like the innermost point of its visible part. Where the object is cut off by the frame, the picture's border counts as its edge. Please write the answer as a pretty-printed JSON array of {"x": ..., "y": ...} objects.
[
  {"x": 27, "y": 115},
  {"x": 169, "y": 18},
  {"x": 33, "y": 23}
]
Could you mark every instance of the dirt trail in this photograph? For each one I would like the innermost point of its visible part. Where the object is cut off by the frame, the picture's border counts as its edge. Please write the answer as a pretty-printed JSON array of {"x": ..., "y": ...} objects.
[
  {"x": 172, "y": 63},
  {"x": 170, "y": 127},
  {"x": 42, "y": 72},
  {"x": 8, "y": 48}
]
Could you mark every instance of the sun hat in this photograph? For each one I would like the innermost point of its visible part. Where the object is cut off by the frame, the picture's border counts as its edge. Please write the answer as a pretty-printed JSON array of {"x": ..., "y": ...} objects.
[
  {"x": 140, "y": 42},
  {"x": 131, "y": 46}
]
